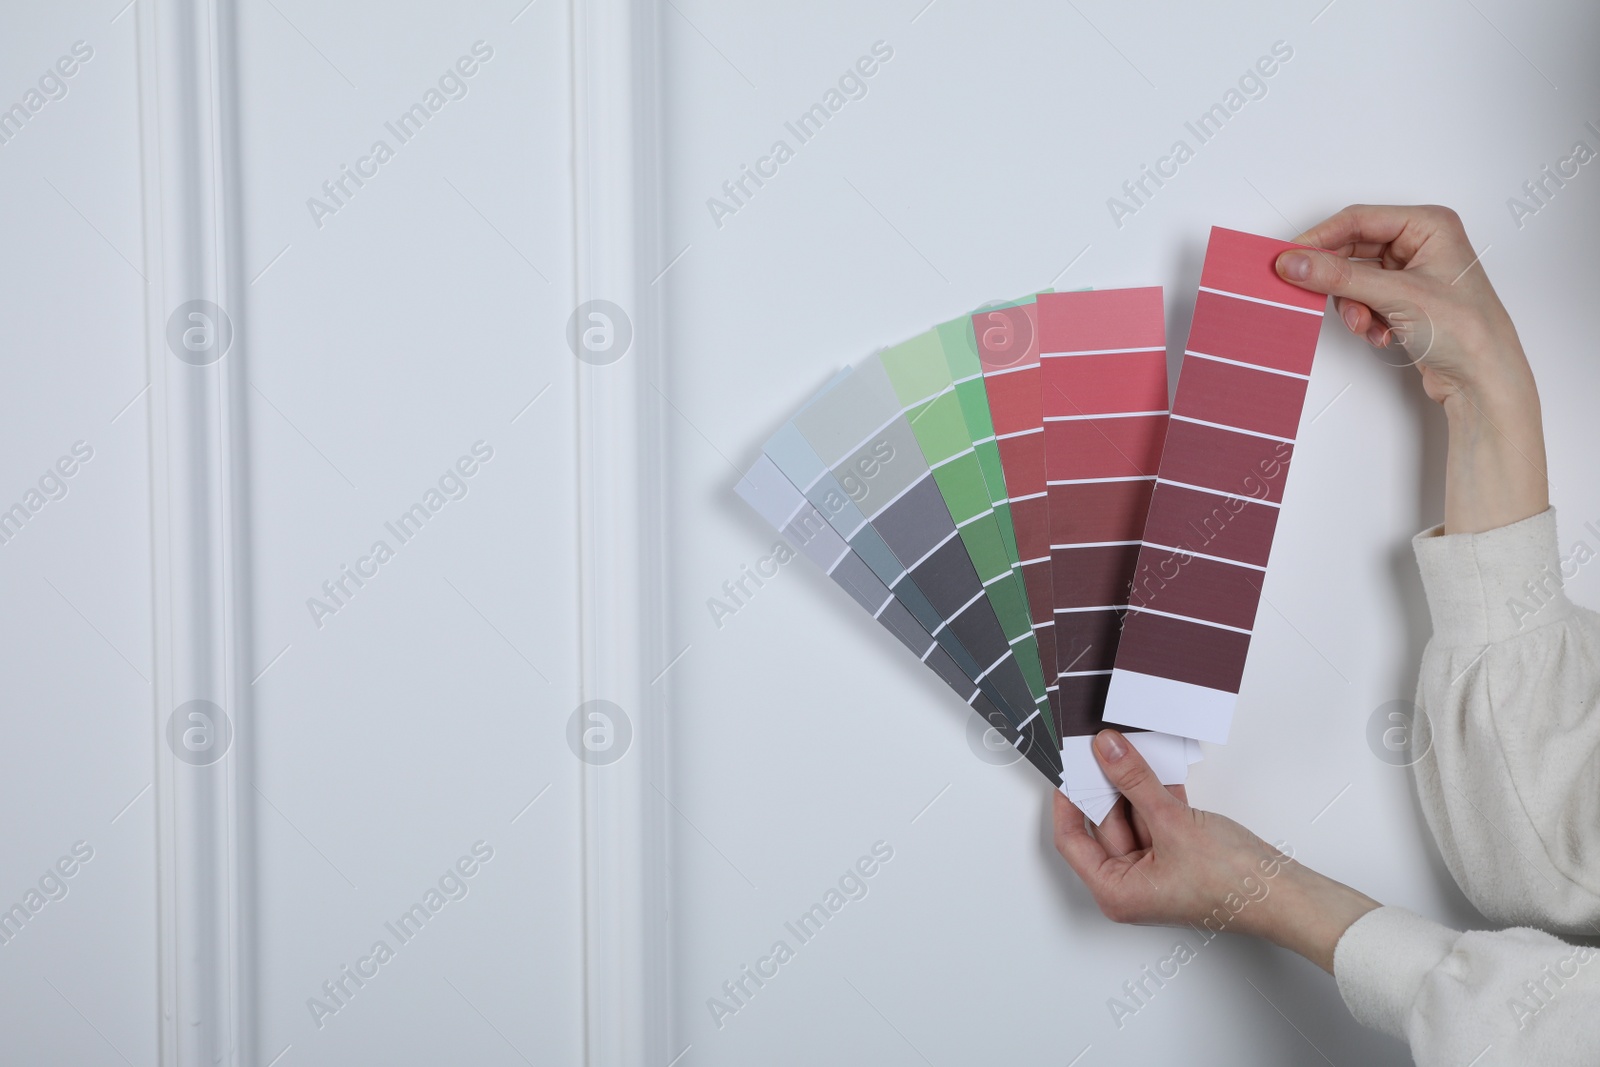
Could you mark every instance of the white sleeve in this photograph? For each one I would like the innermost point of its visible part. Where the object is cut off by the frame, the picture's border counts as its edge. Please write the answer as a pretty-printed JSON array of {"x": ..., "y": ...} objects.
[
  {"x": 1510, "y": 684},
  {"x": 1514, "y": 997}
]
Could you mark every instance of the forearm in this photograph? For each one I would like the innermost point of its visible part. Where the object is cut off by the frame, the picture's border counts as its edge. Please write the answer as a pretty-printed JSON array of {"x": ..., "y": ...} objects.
[
  {"x": 1495, "y": 474},
  {"x": 1308, "y": 912}
]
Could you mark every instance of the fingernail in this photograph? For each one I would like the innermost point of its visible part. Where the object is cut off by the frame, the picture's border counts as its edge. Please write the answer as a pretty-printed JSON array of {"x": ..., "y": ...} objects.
[
  {"x": 1111, "y": 745},
  {"x": 1352, "y": 317},
  {"x": 1295, "y": 266}
]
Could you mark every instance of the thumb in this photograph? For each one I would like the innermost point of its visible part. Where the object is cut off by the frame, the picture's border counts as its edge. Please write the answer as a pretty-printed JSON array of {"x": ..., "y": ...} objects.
[
  {"x": 1132, "y": 776},
  {"x": 1384, "y": 291}
]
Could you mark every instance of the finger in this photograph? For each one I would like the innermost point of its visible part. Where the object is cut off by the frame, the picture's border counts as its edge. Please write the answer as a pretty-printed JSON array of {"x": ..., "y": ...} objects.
[
  {"x": 1366, "y": 250},
  {"x": 1404, "y": 234},
  {"x": 1356, "y": 250},
  {"x": 1355, "y": 315},
  {"x": 1141, "y": 830},
  {"x": 1141, "y": 826},
  {"x": 1132, "y": 776},
  {"x": 1358, "y": 224},
  {"x": 1114, "y": 830},
  {"x": 1381, "y": 290},
  {"x": 1082, "y": 852}
]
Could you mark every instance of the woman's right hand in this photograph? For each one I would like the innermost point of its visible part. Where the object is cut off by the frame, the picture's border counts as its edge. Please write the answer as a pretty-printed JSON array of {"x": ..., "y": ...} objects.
[{"x": 1407, "y": 276}]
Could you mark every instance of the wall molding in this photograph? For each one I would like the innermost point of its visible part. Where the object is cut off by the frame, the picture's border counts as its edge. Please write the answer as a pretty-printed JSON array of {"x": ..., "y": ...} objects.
[
  {"x": 193, "y": 234},
  {"x": 621, "y": 581},
  {"x": 193, "y": 342}
]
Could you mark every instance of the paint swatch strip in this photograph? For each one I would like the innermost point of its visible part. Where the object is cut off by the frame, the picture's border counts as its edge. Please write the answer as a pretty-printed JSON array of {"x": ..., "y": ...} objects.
[
  {"x": 1214, "y": 509},
  {"x": 1104, "y": 376},
  {"x": 960, "y": 349},
  {"x": 1082, "y": 778},
  {"x": 780, "y": 502},
  {"x": 1104, "y": 392},
  {"x": 839, "y": 505},
  {"x": 848, "y": 426},
  {"x": 921, "y": 380},
  {"x": 1007, "y": 340}
]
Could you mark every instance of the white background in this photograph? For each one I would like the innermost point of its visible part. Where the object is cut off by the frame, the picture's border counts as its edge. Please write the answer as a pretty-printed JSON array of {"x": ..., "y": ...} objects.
[{"x": 415, "y": 322}]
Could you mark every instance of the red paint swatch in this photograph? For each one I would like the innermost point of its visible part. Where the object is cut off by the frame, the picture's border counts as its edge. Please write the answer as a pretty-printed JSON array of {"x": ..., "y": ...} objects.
[
  {"x": 1104, "y": 448},
  {"x": 1254, "y": 333},
  {"x": 1008, "y": 348},
  {"x": 1197, "y": 582},
  {"x": 1233, "y": 528},
  {"x": 1244, "y": 398},
  {"x": 1157, "y": 646},
  {"x": 1104, "y": 379},
  {"x": 1229, "y": 463}
]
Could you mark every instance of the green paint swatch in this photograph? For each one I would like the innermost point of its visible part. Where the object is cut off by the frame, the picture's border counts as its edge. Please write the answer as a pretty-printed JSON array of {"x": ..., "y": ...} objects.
[
  {"x": 960, "y": 348},
  {"x": 921, "y": 376},
  {"x": 966, "y": 371}
]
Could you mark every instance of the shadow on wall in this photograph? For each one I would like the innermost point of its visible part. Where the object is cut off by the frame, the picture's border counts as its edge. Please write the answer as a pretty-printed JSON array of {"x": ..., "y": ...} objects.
[{"x": 1180, "y": 300}]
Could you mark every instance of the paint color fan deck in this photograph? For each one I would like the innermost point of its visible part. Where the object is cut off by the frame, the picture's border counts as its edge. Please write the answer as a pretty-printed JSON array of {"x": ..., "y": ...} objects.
[{"x": 1011, "y": 496}]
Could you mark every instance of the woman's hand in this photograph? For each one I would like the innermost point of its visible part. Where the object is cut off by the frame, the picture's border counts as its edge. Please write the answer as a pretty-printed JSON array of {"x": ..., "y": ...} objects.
[
  {"x": 1408, "y": 276},
  {"x": 1155, "y": 860}
]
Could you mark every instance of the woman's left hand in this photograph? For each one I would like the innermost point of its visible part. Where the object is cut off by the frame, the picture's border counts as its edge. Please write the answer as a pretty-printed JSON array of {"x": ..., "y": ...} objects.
[{"x": 1156, "y": 860}]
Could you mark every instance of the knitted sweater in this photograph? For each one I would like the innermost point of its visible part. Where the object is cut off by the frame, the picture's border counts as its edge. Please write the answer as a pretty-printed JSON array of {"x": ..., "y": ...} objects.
[{"x": 1510, "y": 784}]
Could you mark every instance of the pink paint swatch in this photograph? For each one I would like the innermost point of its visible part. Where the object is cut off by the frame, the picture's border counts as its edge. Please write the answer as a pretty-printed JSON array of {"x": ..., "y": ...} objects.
[
  {"x": 1197, "y": 582},
  {"x": 1104, "y": 367}
]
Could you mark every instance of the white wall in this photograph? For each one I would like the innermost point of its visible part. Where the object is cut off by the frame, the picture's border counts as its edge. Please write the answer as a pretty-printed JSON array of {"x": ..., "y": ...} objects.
[
  {"x": 424, "y": 316},
  {"x": 75, "y": 642},
  {"x": 420, "y": 718},
  {"x": 426, "y": 714},
  {"x": 977, "y": 167}
]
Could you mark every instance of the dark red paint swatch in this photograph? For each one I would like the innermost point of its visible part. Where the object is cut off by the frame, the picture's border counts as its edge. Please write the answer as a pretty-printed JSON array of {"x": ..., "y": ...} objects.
[
  {"x": 1104, "y": 361},
  {"x": 1197, "y": 581}
]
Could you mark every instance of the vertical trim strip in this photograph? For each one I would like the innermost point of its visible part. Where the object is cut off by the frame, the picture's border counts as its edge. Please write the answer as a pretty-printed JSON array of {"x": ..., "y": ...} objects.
[
  {"x": 191, "y": 246},
  {"x": 620, "y": 451}
]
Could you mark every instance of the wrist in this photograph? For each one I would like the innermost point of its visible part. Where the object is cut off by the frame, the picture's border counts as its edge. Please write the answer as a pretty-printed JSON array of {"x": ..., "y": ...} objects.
[
  {"x": 1504, "y": 398},
  {"x": 1482, "y": 354},
  {"x": 1496, "y": 470},
  {"x": 1311, "y": 913}
]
